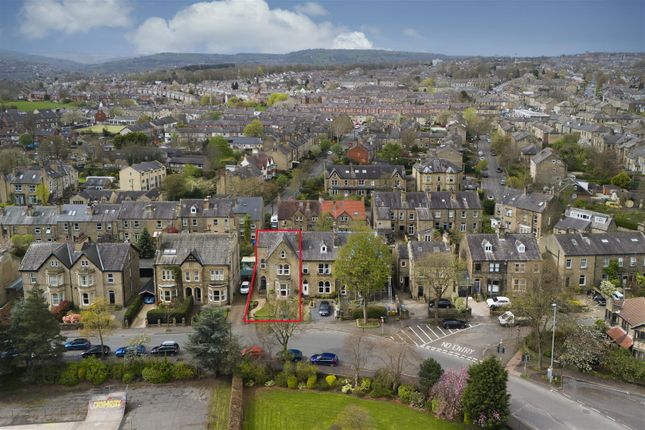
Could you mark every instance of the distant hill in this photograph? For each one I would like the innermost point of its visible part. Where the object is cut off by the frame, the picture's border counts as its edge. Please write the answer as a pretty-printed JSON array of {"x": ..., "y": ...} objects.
[{"x": 27, "y": 65}]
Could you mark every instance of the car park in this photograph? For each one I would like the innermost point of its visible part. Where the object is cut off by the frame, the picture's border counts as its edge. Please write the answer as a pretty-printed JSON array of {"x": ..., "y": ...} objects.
[
  {"x": 78, "y": 344},
  {"x": 494, "y": 302},
  {"x": 168, "y": 347},
  {"x": 324, "y": 359},
  {"x": 95, "y": 351},
  {"x": 324, "y": 309},
  {"x": 244, "y": 288},
  {"x": 449, "y": 323},
  {"x": 441, "y": 304},
  {"x": 130, "y": 350}
]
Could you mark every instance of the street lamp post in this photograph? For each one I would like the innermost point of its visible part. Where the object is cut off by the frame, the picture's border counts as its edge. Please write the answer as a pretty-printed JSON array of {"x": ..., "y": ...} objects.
[{"x": 550, "y": 370}]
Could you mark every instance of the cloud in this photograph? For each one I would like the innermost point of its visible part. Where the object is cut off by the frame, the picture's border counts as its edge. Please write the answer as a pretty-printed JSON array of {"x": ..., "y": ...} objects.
[
  {"x": 311, "y": 9},
  {"x": 40, "y": 17},
  {"x": 230, "y": 26},
  {"x": 411, "y": 32}
]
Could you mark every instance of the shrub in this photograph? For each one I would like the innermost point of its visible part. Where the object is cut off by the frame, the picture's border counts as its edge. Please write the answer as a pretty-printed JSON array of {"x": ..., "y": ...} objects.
[
  {"x": 311, "y": 381},
  {"x": 179, "y": 311},
  {"x": 61, "y": 309},
  {"x": 72, "y": 318},
  {"x": 347, "y": 388},
  {"x": 429, "y": 373},
  {"x": 322, "y": 385},
  {"x": 117, "y": 371},
  {"x": 97, "y": 371},
  {"x": 253, "y": 371},
  {"x": 305, "y": 370},
  {"x": 182, "y": 371},
  {"x": 292, "y": 382},
  {"x": 281, "y": 379},
  {"x": 405, "y": 393},
  {"x": 373, "y": 312},
  {"x": 69, "y": 376},
  {"x": 129, "y": 376},
  {"x": 447, "y": 394},
  {"x": 381, "y": 384},
  {"x": 133, "y": 309},
  {"x": 331, "y": 380},
  {"x": 417, "y": 399},
  {"x": 158, "y": 372},
  {"x": 364, "y": 387},
  {"x": 623, "y": 365}
]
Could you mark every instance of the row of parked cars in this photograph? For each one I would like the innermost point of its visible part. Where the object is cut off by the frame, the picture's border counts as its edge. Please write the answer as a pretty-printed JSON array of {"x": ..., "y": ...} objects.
[
  {"x": 169, "y": 347},
  {"x": 293, "y": 355}
]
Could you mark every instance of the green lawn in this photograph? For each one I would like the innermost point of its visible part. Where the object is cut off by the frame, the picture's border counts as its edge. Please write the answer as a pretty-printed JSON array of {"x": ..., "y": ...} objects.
[
  {"x": 218, "y": 409},
  {"x": 30, "y": 106},
  {"x": 280, "y": 409},
  {"x": 98, "y": 129}
]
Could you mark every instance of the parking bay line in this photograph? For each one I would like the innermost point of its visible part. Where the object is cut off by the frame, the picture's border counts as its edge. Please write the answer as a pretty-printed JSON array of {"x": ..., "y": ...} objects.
[
  {"x": 411, "y": 340},
  {"x": 424, "y": 333},
  {"x": 415, "y": 333}
]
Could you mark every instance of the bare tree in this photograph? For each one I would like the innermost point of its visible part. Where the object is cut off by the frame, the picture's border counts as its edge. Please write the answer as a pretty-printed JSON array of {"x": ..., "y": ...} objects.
[
  {"x": 359, "y": 348},
  {"x": 439, "y": 271},
  {"x": 285, "y": 312},
  {"x": 396, "y": 357}
]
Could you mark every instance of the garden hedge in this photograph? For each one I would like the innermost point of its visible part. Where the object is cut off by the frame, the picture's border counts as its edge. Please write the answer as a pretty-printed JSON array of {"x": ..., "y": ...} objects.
[
  {"x": 133, "y": 309},
  {"x": 179, "y": 312}
]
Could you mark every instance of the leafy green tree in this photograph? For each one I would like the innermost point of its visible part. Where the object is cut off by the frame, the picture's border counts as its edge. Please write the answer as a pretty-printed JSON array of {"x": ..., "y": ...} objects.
[
  {"x": 324, "y": 146},
  {"x": 175, "y": 187},
  {"x": 340, "y": 125},
  {"x": 481, "y": 166},
  {"x": 34, "y": 330},
  {"x": 325, "y": 222},
  {"x": 247, "y": 228},
  {"x": 586, "y": 355},
  {"x": 255, "y": 128},
  {"x": 363, "y": 264},
  {"x": 146, "y": 245},
  {"x": 622, "y": 180},
  {"x": 97, "y": 320},
  {"x": 21, "y": 242},
  {"x": 338, "y": 150},
  {"x": 144, "y": 119},
  {"x": 391, "y": 153},
  {"x": 613, "y": 272},
  {"x": 277, "y": 97},
  {"x": 219, "y": 152},
  {"x": 429, "y": 373},
  {"x": 489, "y": 207},
  {"x": 191, "y": 171},
  {"x": 486, "y": 401},
  {"x": 42, "y": 193},
  {"x": 211, "y": 344},
  {"x": 25, "y": 140},
  {"x": 282, "y": 181},
  {"x": 136, "y": 138},
  {"x": 428, "y": 84},
  {"x": 439, "y": 273}
]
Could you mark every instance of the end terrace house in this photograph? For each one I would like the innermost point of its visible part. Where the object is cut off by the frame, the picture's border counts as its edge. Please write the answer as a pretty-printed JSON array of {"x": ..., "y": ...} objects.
[
  {"x": 107, "y": 271},
  {"x": 142, "y": 176},
  {"x": 436, "y": 174},
  {"x": 205, "y": 266},
  {"x": 362, "y": 180}
]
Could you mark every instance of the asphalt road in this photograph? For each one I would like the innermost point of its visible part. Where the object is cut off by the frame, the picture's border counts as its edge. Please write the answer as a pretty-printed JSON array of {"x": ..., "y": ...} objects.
[
  {"x": 536, "y": 406},
  {"x": 491, "y": 185}
]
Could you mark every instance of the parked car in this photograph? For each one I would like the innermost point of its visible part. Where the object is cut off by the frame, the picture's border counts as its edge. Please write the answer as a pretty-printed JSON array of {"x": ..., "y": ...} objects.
[
  {"x": 453, "y": 323},
  {"x": 130, "y": 350},
  {"x": 502, "y": 181},
  {"x": 324, "y": 309},
  {"x": 244, "y": 288},
  {"x": 79, "y": 344},
  {"x": 494, "y": 302},
  {"x": 485, "y": 174},
  {"x": 600, "y": 300},
  {"x": 499, "y": 170},
  {"x": 493, "y": 153},
  {"x": 168, "y": 347},
  {"x": 442, "y": 304},
  {"x": 95, "y": 351},
  {"x": 324, "y": 359},
  {"x": 149, "y": 300},
  {"x": 253, "y": 351},
  {"x": 508, "y": 319},
  {"x": 293, "y": 355},
  {"x": 617, "y": 295}
]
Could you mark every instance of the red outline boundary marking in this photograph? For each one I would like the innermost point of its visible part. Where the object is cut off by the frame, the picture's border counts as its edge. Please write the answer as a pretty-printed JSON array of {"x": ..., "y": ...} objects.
[{"x": 245, "y": 319}]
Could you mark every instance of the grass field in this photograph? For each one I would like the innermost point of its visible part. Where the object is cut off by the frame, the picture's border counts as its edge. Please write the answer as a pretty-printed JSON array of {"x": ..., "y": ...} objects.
[
  {"x": 98, "y": 129},
  {"x": 218, "y": 409},
  {"x": 280, "y": 409},
  {"x": 27, "y": 106}
]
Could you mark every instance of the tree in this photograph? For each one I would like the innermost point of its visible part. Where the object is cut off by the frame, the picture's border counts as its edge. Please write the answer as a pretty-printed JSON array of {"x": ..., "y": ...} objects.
[
  {"x": 360, "y": 348},
  {"x": 439, "y": 271},
  {"x": 485, "y": 401},
  {"x": 175, "y": 187},
  {"x": 622, "y": 180},
  {"x": 391, "y": 153},
  {"x": 586, "y": 355},
  {"x": 363, "y": 264},
  {"x": 448, "y": 392},
  {"x": 535, "y": 303},
  {"x": 428, "y": 84},
  {"x": 340, "y": 125},
  {"x": 146, "y": 245},
  {"x": 136, "y": 138},
  {"x": 21, "y": 242},
  {"x": 284, "y": 312},
  {"x": 191, "y": 171},
  {"x": 25, "y": 140},
  {"x": 397, "y": 357},
  {"x": 247, "y": 228},
  {"x": 42, "y": 193},
  {"x": 481, "y": 166},
  {"x": 324, "y": 146},
  {"x": 443, "y": 117},
  {"x": 144, "y": 119},
  {"x": 97, "y": 320},
  {"x": 34, "y": 330},
  {"x": 11, "y": 158},
  {"x": 429, "y": 373},
  {"x": 325, "y": 222},
  {"x": 211, "y": 344},
  {"x": 614, "y": 272},
  {"x": 219, "y": 152},
  {"x": 255, "y": 128},
  {"x": 408, "y": 137},
  {"x": 277, "y": 97},
  {"x": 338, "y": 150}
]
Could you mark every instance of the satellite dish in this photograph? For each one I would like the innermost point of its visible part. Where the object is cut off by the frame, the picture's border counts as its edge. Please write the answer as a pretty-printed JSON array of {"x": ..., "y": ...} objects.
[{"x": 629, "y": 203}]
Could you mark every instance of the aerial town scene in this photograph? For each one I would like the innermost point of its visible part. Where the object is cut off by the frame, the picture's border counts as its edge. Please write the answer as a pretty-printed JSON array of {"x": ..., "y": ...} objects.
[{"x": 322, "y": 215}]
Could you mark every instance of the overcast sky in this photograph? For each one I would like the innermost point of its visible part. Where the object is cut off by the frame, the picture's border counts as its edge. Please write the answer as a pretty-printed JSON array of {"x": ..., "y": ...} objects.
[{"x": 114, "y": 28}]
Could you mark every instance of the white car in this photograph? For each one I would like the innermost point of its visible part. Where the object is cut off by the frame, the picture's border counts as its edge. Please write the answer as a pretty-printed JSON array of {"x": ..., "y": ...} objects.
[
  {"x": 244, "y": 288},
  {"x": 494, "y": 302}
]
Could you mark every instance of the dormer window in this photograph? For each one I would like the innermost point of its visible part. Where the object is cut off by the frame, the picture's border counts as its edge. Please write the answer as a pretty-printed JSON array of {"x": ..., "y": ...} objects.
[
  {"x": 488, "y": 247},
  {"x": 323, "y": 249},
  {"x": 193, "y": 210},
  {"x": 521, "y": 248}
]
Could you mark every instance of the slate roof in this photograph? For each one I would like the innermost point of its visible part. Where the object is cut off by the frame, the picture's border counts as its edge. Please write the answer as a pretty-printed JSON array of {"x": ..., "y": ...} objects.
[
  {"x": 145, "y": 166},
  {"x": 288, "y": 208},
  {"x": 419, "y": 249},
  {"x": 217, "y": 208},
  {"x": 615, "y": 243},
  {"x": 567, "y": 223},
  {"x": 458, "y": 200},
  {"x": 95, "y": 195},
  {"x": 542, "y": 155},
  {"x": 40, "y": 215},
  {"x": 108, "y": 257},
  {"x": 271, "y": 239},
  {"x": 504, "y": 248},
  {"x": 148, "y": 210},
  {"x": 207, "y": 248},
  {"x": 535, "y": 202},
  {"x": 311, "y": 246},
  {"x": 39, "y": 252},
  {"x": 373, "y": 171},
  {"x": 437, "y": 165},
  {"x": 26, "y": 176},
  {"x": 249, "y": 205}
]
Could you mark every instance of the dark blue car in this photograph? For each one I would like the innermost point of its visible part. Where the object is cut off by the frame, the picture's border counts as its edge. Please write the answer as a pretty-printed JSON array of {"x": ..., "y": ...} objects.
[
  {"x": 79, "y": 344},
  {"x": 130, "y": 350},
  {"x": 293, "y": 355},
  {"x": 324, "y": 359}
]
